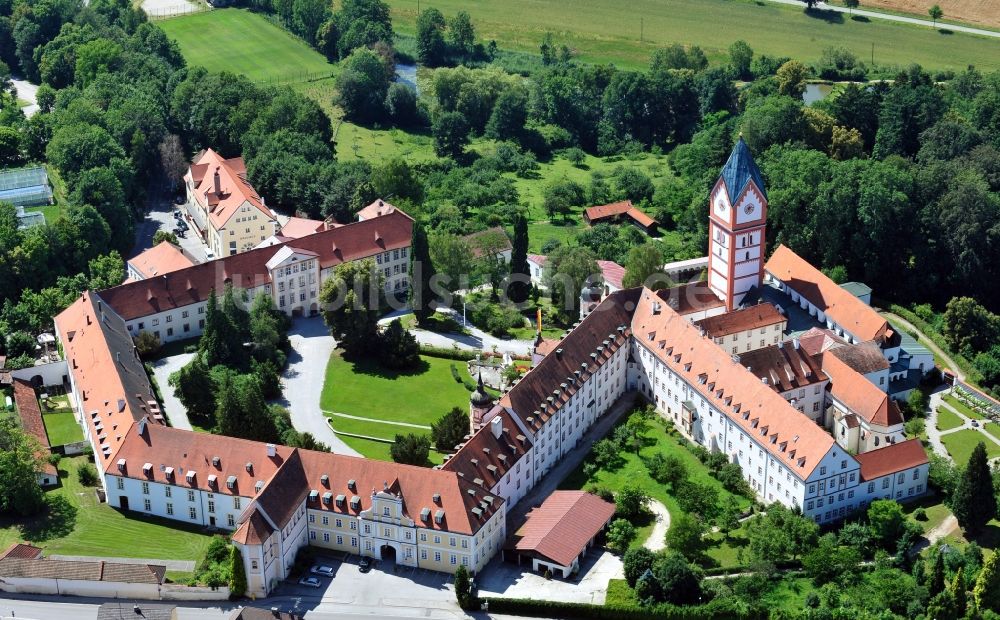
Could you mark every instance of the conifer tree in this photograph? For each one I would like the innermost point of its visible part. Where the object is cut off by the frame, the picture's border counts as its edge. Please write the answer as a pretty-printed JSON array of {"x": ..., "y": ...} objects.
[
  {"x": 937, "y": 583},
  {"x": 213, "y": 338},
  {"x": 228, "y": 416},
  {"x": 987, "y": 590},
  {"x": 957, "y": 589},
  {"x": 237, "y": 574},
  {"x": 422, "y": 270},
  {"x": 973, "y": 501},
  {"x": 519, "y": 287}
]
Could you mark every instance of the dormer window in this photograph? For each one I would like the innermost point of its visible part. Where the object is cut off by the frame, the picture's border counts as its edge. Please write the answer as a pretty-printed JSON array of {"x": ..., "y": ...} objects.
[
  {"x": 216, "y": 462},
  {"x": 147, "y": 470},
  {"x": 313, "y": 495},
  {"x": 231, "y": 482},
  {"x": 191, "y": 476},
  {"x": 355, "y": 503},
  {"x": 258, "y": 486},
  {"x": 439, "y": 517},
  {"x": 341, "y": 499}
]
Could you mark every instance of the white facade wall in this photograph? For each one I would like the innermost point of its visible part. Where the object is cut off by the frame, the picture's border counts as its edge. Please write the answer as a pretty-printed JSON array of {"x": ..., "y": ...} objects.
[
  {"x": 80, "y": 587},
  {"x": 295, "y": 285},
  {"x": 516, "y": 482},
  {"x": 176, "y": 501},
  {"x": 170, "y": 325}
]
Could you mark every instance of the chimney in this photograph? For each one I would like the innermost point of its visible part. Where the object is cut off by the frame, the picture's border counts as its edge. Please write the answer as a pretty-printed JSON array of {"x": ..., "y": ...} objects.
[
  {"x": 497, "y": 426},
  {"x": 270, "y": 450},
  {"x": 795, "y": 343},
  {"x": 218, "y": 182}
]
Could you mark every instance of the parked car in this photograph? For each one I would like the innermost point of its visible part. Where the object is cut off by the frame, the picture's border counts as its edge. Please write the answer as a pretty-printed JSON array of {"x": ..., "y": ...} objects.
[
  {"x": 326, "y": 571},
  {"x": 975, "y": 423},
  {"x": 365, "y": 565},
  {"x": 180, "y": 235},
  {"x": 182, "y": 224},
  {"x": 311, "y": 582}
]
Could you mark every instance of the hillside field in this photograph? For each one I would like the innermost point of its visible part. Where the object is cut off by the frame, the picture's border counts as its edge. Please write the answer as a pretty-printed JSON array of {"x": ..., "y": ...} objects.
[
  {"x": 243, "y": 42},
  {"x": 609, "y": 32}
]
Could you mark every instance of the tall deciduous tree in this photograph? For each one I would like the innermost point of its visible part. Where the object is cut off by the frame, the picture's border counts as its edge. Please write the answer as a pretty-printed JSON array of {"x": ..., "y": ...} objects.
[
  {"x": 422, "y": 296},
  {"x": 410, "y": 449},
  {"x": 451, "y": 134},
  {"x": 986, "y": 593},
  {"x": 19, "y": 490},
  {"x": 643, "y": 263},
  {"x": 431, "y": 47},
  {"x": 520, "y": 276},
  {"x": 568, "y": 269},
  {"x": 351, "y": 301},
  {"x": 973, "y": 501}
]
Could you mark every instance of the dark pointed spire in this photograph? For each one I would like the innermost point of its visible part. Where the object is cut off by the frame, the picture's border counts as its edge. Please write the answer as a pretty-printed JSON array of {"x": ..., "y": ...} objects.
[{"x": 740, "y": 168}]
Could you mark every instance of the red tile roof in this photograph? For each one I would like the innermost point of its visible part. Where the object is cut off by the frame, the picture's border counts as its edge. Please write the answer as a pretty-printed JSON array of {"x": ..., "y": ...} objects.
[
  {"x": 249, "y": 269},
  {"x": 891, "y": 459},
  {"x": 297, "y": 227},
  {"x": 859, "y": 394},
  {"x": 840, "y": 306},
  {"x": 21, "y": 551},
  {"x": 817, "y": 340},
  {"x": 760, "y": 411},
  {"x": 44, "y": 568},
  {"x": 487, "y": 457},
  {"x": 160, "y": 259},
  {"x": 108, "y": 375},
  {"x": 233, "y": 191},
  {"x": 611, "y": 272},
  {"x": 31, "y": 420},
  {"x": 864, "y": 357},
  {"x": 183, "y": 451},
  {"x": 253, "y": 529},
  {"x": 561, "y": 527},
  {"x": 594, "y": 215},
  {"x": 690, "y": 298},
  {"x": 784, "y": 366},
  {"x": 378, "y": 209},
  {"x": 754, "y": 317}
]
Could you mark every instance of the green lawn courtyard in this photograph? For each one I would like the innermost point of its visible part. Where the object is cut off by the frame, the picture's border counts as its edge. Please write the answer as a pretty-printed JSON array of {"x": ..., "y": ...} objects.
[
  {"x": 962, "y": 407},
  {"x": 77, "y": 524},
  {"x": 62, "y": 428},
  {"x": 947, "y": 420},
  {"x": 961, "y": 443},
  {"x": 239, "y": 41},
  {"x": 383, "y": 403}
]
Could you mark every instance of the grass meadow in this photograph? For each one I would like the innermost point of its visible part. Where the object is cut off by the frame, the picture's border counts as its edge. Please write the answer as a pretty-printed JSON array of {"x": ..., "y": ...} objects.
[
  {"x": 626, "y": 34},
  {"x": 239, "y": 41},
  {"x": 77, "y": 524},
  {"x": 961, "y": 443}
]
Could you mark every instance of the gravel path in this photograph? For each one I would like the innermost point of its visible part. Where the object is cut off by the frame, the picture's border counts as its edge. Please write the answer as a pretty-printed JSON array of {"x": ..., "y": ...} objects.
[
  {"x": 162, "y": 369},
  {"x": 897, "y": 18},
  {"x": 27, "y": 91},
  {"x": 476, "y": 339},
  {"x": 658, "y": 537}
]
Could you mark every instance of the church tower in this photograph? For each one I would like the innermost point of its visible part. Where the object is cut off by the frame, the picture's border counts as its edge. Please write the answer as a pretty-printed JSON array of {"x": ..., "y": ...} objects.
[{"x": 737, "y": 222}]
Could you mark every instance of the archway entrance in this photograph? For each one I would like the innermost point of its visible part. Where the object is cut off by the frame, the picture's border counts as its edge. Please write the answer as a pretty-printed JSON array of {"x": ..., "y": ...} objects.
[{"x": 388, "y": 555}]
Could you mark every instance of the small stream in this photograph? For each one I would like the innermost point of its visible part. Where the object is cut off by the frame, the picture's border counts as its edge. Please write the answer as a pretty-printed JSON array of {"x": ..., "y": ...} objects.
[{"x": 407, "y": 74}]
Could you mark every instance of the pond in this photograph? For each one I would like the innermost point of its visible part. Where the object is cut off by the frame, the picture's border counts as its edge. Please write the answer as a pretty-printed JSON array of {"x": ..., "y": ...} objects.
[
  {"x": 407, "y": 74},
  {"x": 816, "y": 92}
]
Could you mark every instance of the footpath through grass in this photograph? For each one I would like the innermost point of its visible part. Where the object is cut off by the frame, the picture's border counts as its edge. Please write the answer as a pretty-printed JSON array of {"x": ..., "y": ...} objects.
[
  {"x": 77, "y": 524},
  {"x": 239, "y": 41},
  {"x": 626, "y": 33}
]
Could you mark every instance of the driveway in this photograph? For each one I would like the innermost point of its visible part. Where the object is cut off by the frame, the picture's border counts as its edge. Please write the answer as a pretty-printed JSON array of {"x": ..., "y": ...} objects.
[
  {"x": 303, "y": 380},
  {"x": 385, "y": 586},
  {"x": 590, "y": 585},
  {"x": 162, "y": 369},
  {"x": 161, "y": 217},
  {"x": 26, "y": 91},
  {"x": 475, "y": 340}
]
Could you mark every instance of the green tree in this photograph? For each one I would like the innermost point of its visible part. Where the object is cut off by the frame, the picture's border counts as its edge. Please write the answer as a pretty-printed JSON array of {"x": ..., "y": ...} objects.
[
  {"x": 164, "y": 235},
  {"x": 973, "y": 502},
  {"x": 792, "y": 79},
  {"x": 398, "y": 348},
  {"x": 957, "y": 588},
  {"x": 519, "y": 285},
  {"x": 567, "y": 270},
  {"x": 936, "y": 583},
  {"x": 887, "y": 522},
  {"x": 351, "y": 300},
  {"x": 452, "y": 257},
  {"x": 636, "y": 427},
  {"x": 449, "y": 430},
  {"x": 19, "y": 491},
  {"x": 216, "y": 339},
  {"x": 685, "y": 535},
  {"x": 644, "y": 267},
  {"x": 942, "y": 606},
  {"x": 635, "y": 562},
  {"x": 561, "y": 195},
  {"x": 307, "y": 17},
  {"x": 362, "y": 23},
  {"x": 740, "y": 57},
  {"x": 362, "y": 86},
  {"x": 986, "y": 592},
  {"x": 10, "y": 146},
  {"x": 509, "y": 115},
  {"x": 106, "y": 271},
  {"x": 699, "y": 498},
  {"x": 431, "y": 47},
  {"x": 463, "y": 587},
  {"x": 422, "y": 298},
  {"x": 620, "y": 535},
  {"x": 678, "y": 582},
  {"x": 462, "y": 34},
  {"x": 829, "y": 561},
  {"x": 936, "y": 13},
  {"x": 630, "y": 502},
  {"x": 238, "y": 575},
  {"x": 969, "y": 327},
  {"x": 96, "y": 57},
  {"x": 451, "y": 134},
  {"x": 728, "y": 519},
  {"x": 410, "y": 449},
  {"x": 668, "y": 470},
  {"x": 195, "y": 389}
]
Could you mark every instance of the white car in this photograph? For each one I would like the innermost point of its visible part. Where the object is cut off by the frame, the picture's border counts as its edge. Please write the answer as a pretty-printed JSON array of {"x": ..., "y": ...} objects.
[
  {"x": 311, "y": 582},
  {"x": 323, "y": 570}
]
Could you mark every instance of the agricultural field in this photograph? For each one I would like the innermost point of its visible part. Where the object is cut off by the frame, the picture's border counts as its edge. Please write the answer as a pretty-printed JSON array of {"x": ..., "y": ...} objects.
[
  {"x": 77, "y": 524},
  {"x": 603, "y": 32},
  {"x": 981, "y": 13},
  {"x": 239, "y": 41}
]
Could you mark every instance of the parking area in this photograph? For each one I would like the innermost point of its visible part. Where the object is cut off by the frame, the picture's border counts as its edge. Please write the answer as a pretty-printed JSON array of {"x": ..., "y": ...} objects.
[
  {"x": 161, "y": 217},
  {"x": 590, "y": 585},
  {"x": 385, "y": 585}
]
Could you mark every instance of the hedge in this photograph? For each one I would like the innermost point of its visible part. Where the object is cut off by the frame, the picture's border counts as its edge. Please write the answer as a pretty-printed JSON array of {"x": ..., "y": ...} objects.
[
  {"x": 556, "y": 609},
  {"x": 462, "y": 355}
]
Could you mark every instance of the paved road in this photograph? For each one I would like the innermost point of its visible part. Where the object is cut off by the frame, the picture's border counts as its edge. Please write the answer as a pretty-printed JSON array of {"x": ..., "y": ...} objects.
[
  {"x": 897, "y": 18},
  {"x": 27, "y": 91},
  {"x": 162, "y": 369},
  {"x": 476, "y": 339},
  {"x": 303, "y": 380}
]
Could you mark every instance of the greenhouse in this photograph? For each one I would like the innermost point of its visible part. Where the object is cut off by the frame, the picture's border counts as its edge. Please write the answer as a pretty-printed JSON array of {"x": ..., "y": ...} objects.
[{"x": 25, "y": 187}]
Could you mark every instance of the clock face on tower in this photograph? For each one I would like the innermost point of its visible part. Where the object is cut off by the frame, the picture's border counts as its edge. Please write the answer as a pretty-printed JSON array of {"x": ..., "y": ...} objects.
[{"x": 748, "y": 209}]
